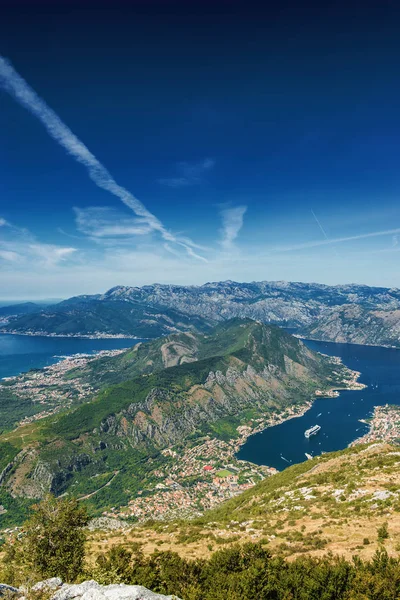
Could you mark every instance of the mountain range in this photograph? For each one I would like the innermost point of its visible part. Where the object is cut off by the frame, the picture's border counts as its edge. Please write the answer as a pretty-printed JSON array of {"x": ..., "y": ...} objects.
[
  {"x": 351, "y": 313},
  {"x": 167, "y": 394}
]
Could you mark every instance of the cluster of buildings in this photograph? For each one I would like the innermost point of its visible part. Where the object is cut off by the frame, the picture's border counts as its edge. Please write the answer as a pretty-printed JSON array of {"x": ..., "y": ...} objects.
[
  {"x": 198, "y": 478},
  {"x": 172, "y": 499},
  {"x": 50, "y": 388},
  {"x": 203, "y": 476},
  {"x": 384, "y": 425}
]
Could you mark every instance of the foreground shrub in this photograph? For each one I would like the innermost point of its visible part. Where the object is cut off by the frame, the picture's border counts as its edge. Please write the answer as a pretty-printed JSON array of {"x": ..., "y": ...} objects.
[{"x": 52, "y": 543}]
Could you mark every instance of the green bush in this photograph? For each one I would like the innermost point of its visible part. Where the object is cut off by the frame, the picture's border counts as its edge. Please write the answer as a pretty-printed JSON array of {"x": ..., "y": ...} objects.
[
  {"x": 383, "y": 532},
  {"x": 52, "y": 545}
]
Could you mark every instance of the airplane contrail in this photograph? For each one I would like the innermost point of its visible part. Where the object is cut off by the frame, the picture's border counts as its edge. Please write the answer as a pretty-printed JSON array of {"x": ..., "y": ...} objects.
[
  {"x": 323, "y": 230},
  {"x": 319, "y": 224},
  {"x": 340, "y": 240},
  {"x": 19, "y": 89}
]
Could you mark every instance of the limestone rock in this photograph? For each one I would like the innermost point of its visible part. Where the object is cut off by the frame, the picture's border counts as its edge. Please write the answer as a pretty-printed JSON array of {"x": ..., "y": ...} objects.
[
  {"x": 91, "y": 590},
  {"x": 49, "y": 584},
  {"x": 7, "y": 590}
]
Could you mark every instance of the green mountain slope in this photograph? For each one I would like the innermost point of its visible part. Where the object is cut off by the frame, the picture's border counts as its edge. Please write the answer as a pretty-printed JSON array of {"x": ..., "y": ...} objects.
[
  {"x": 20, "y": 309},
  {"x": 112, "y": 318},
  {"x": 112, "y": 447},
  {"x": 180, "y": 348}
]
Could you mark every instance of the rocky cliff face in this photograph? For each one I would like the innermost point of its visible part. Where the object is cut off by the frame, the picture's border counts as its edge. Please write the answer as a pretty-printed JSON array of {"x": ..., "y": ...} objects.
[
  {"x": 221, "y": 395},
  {"x": 154, "y": 310},
  {"x": 357, "y": 325},
  {"x": 294, "y": 304}
]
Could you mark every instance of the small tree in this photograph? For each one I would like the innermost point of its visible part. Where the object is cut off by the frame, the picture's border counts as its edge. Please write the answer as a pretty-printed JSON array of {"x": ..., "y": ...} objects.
[
  {"x": 383, "y": 532},
  {"x": 54, "y": 542}
]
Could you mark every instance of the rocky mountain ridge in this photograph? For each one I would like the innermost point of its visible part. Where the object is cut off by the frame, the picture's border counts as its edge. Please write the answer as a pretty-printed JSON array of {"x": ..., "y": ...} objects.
[
  {"x": 356, "y": 325},
  {"x": 158, "y": 309}
]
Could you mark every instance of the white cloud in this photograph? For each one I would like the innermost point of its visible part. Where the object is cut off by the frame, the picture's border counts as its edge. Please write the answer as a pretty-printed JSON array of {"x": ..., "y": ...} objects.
[
  {"x": 49, "y": 254},
  {"x": 106, "y": 222},
  {"x": 232, "y": 222},
  {"x": 9, "y": 255},
  {"x": 189, "y": 173},
  {"x": 3, "y": 222},
  {"x": 17, "y": 87},
  {"x": 20, "y": 247}
]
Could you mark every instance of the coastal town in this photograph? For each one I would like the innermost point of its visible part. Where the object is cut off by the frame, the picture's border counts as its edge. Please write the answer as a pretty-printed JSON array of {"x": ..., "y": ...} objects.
[
  {"x": 203, "y": 476},
  {"x": 53, "y": 388},
  {"x": 200, "y": 478},
  {"x": 384, "y": 426},
  {"x": 96, "y": 335}
]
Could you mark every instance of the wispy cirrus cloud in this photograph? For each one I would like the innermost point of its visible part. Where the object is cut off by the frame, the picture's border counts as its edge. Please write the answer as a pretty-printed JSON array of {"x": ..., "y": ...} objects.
[
  {"x": 232, "y": 223},
  {"x": 9, "y": 255},
  {"x": 50, "y": 254},
  {"x": 110, "y": 227},
  {"x": 18, "y": 246},
  {"x": 100, "y": 223},
  {"x": 19, "y": 89},
  {"x": 189, "y": 173}
]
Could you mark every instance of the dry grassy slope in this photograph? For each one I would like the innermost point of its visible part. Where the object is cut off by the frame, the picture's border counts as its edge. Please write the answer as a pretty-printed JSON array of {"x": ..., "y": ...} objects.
[{"x": 333, "y": 503}]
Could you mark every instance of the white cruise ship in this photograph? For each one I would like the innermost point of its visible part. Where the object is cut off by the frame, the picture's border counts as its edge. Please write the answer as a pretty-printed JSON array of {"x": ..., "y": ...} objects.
[{"x": 312, "y": 431}]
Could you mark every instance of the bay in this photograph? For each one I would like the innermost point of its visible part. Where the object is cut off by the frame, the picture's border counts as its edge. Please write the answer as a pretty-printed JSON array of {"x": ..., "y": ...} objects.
[
  {"x": 285, "y": 444},
  {"x": 19, "y": 353}
]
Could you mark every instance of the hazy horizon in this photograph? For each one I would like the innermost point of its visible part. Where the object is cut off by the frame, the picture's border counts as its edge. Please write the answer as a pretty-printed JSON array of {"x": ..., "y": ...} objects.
[{"x": 47, "y": 300}]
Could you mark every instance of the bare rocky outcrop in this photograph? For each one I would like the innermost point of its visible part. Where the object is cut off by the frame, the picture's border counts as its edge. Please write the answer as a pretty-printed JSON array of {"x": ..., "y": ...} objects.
[
  {"x": 91, "y": 590},
  {"x": 7, "y": 591},
  {"x": 88, "y": 590},
  {"x": 357, "y": 325}
]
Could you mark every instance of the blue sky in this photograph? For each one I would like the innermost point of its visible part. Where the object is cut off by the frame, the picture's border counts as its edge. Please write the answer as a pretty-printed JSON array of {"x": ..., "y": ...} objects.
[{"x": 181, "y": 142}]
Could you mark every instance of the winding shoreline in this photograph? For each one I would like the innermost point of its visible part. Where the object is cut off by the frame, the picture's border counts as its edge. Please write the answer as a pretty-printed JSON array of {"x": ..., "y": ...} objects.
[{"x": 83, "y": 336}]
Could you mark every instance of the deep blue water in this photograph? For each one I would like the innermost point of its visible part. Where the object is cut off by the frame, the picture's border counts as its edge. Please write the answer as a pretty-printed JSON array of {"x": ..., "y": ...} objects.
[
  {"x": 19, "y": 353},
  {"x": 339, "y": 419}
]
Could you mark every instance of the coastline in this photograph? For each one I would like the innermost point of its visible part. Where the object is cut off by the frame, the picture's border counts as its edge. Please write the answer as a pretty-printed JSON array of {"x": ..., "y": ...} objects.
[
  {"x": 278, "y": 418},
  {"x": 165, "y": 502},
  {"x": 49, "y": 386},
  {"x": 384, "y": 426},
  {"x": 315, "y": 339},
  {"x": 83, "y": 336},
  {"x": 103, "y": 335}
]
